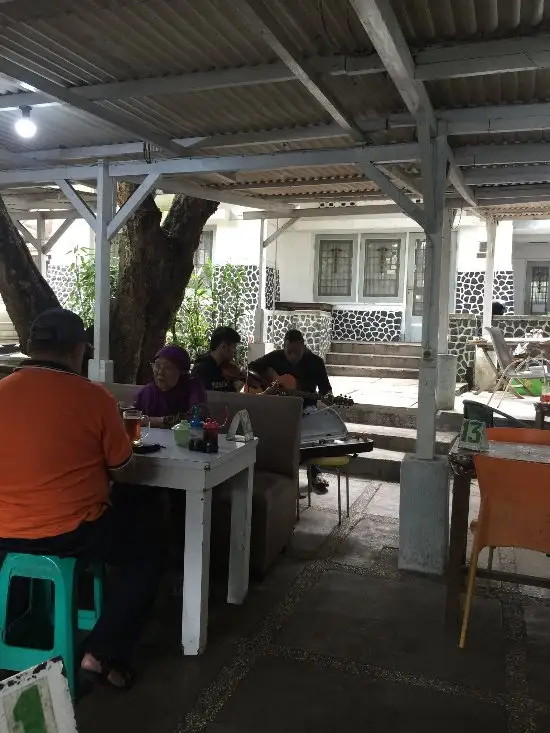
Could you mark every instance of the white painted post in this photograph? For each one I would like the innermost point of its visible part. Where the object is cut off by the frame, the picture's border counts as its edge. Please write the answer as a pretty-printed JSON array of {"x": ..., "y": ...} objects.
[
  {"x": 445, "y": 282},
  {"x": 491, "y": 227},
  {"x": 40, "y": 242},
  {"x": 424, "y": 494},
  {"x": 258, "y": 348},
  {"x": 427, "y": 387},
  {"x": 101, "y": 368}
]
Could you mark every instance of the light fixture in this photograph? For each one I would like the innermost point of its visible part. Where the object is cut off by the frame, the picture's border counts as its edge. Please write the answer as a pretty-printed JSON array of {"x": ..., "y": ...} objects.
[{"x": 24, "y": 126}]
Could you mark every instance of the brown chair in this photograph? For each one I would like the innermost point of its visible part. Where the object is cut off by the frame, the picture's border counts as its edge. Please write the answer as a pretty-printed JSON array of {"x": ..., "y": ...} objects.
[{"x": 276, "y": 421}]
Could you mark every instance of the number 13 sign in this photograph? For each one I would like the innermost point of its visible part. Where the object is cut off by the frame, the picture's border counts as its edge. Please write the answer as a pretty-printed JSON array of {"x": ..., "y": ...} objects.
[{"x": 473, "y": 436}]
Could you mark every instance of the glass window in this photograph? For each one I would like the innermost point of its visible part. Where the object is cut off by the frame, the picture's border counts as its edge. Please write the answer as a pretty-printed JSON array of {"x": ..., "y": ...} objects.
[
  {"x": 381, "y": 271},
  {"x": 203, "y": 253},
  {"x": 418, "y": 280},
  {"x": 334, "y": 273},
  {"x": 538, "y": 287}
]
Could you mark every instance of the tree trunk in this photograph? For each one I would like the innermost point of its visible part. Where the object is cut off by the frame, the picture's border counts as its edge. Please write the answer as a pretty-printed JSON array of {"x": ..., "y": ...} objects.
[
  {"x": 157, "y": 262},
  {"x": 24, "y": 291}
]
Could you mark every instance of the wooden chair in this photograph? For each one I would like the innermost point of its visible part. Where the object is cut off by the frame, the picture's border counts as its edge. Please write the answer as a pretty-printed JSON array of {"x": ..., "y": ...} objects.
[{"x": 514, "y": 512}]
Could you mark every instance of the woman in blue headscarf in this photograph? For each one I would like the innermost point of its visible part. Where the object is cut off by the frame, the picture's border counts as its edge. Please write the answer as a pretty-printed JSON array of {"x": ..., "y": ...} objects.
[{"x": 173, "y": 392}]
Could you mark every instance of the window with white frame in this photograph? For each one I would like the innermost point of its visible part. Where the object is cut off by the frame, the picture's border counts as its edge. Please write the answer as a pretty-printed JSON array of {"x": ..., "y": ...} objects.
[
  {"x": 203, "y": 253},
  {"x": 381, "y": 268},
  {"x": 334, "y": 267}
]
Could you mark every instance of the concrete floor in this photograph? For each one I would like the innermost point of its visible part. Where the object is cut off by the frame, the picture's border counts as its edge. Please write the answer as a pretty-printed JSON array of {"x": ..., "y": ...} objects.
[
  {"x": 336, "y": 639},
  {"x": 404, "y": 393}
]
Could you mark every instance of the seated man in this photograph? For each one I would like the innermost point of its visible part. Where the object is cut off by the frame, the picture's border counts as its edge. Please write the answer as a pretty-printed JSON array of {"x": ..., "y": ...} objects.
[
  {"x": 64, "y": 443},
  {"x": 311, "y": 376},
  {"x": 209, "y": 367}
]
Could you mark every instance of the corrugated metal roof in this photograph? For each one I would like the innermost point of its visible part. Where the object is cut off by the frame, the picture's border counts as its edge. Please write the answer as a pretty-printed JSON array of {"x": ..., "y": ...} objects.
[
  {"x": 431, "y": 21},
  {"x": 80, "y": 42}
]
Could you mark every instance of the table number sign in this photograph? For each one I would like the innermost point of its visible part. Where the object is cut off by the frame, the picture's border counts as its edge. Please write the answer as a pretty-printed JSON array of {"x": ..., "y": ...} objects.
[
  {"x": 37, "y": 701},
  {"x": 241, "y": 420},
  {"x": 473, "y": 436}
]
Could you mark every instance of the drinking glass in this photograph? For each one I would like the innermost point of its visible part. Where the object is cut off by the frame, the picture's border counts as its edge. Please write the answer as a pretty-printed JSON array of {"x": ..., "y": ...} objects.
[
  {"x": 545, "y": 393},
  {"x": 133, "y": 422}
]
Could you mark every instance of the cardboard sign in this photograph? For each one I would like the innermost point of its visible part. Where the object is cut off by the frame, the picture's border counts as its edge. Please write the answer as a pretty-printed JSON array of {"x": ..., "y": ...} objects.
[
  {"x": 473, "y": 436},
  {"x": 240, "y": 420},
  {"x": 37, "y": 701}
]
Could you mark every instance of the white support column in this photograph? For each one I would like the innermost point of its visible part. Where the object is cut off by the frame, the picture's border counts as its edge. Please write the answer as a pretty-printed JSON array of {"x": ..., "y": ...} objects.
[
  {"x": 424, "y": 496},
  {"x": 258, "y": 347},
  {"x": 489, "y": 274},
  {"x": 41, "y": 244},
  {"x": 446, "y": 363},
  {"x": 101, "y": 368}
]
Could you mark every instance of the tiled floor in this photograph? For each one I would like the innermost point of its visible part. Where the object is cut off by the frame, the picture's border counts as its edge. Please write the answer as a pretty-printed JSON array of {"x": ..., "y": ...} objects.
[{"x": 337, "y": 639}]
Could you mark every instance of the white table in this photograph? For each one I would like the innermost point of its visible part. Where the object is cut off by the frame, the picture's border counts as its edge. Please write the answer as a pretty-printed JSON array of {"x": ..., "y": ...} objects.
[{"x": 198, "y": 474}]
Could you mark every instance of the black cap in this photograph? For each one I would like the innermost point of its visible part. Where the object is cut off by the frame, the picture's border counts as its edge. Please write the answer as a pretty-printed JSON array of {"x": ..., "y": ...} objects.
[{"x": 57, "y": 326}]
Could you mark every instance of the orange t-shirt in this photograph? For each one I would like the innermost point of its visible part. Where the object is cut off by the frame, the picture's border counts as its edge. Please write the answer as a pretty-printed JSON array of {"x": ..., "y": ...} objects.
[{"x": 60, "y": 434}]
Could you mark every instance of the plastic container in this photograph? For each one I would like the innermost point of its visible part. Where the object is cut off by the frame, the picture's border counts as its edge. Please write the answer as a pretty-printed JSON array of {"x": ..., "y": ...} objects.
[
  {"x": 196, "y": 431},
  {"x": 181, "y": 433}
]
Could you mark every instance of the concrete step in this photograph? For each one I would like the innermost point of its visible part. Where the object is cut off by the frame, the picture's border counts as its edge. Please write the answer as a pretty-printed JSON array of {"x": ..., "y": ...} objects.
[
  {"x": 377, "y": 347},
  {"x": 344, "y": 370},
  {"x": 395, "y": 361},
  {"x": 399, "y": 439},
  {"x": 401, "y": 417},
  {"x": 384, "y": 465}
]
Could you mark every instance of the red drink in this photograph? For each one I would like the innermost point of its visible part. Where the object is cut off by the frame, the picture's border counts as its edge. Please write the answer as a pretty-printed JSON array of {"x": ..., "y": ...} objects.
[{"x": 545, "y": 397}]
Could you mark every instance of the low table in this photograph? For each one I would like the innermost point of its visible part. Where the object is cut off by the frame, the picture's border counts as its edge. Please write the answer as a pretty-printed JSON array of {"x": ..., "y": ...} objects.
[
  {"x": 198, "y": 474},
  {"x": 462, "y": 464},
  {"x": 336, "y": 448}
]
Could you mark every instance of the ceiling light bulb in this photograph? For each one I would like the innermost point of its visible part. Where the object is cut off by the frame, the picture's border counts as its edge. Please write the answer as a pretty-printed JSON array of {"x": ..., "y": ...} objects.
[{"x": 24, "y": 126}]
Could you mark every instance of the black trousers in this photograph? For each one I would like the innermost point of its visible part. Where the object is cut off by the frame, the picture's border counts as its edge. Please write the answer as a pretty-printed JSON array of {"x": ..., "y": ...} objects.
[{"x": 121, "y": 537}]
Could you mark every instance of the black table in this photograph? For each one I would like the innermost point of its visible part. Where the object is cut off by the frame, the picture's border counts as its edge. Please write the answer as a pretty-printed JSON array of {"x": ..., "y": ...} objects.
[{"x": 336, "y": 448}]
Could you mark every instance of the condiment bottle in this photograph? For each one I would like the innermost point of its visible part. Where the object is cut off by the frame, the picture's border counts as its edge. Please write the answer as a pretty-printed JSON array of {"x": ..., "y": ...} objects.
[{"x": 196, "y": 431}]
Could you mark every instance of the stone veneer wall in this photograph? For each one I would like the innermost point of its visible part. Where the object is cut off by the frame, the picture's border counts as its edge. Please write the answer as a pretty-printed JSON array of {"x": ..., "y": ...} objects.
[
  {"x": 315, "y": 325},
  {"x": 366, "y": 325},
  {"x": 61, "y": 280},
  {"x": 463, "y": 328},
  {"x": 469, "y": 290}
]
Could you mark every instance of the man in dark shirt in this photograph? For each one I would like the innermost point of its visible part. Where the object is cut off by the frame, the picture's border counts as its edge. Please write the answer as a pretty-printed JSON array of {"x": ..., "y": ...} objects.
[
  {"x": 209, "y": 367},
  {"x": 311, "y": 376}
]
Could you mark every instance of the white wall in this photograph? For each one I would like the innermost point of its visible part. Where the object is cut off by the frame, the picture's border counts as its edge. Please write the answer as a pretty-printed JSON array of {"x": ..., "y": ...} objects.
[
  {"x": 78, "y": 235},
  {"x": 531, "y": 243},
  {"x": 470, "y": 234}
]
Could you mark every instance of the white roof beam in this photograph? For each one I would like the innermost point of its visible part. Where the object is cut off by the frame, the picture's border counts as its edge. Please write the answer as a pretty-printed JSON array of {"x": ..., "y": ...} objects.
[
  {"x": 507, "y": 175},
  {"x": 413, "y": 184},
  {"x": 315, "y": 213},
  {"x": 512, "y": 192},
  {"x": 398, "y": 153},
  {"x": 265, "y": 24},
  {"x": 513, "y": 154},
  {"x": 400, "y": 197},
  {"x": 380, "y": 23},
  {"x": 281, "y": 230},
  {"x": 59, "y": 232},
  {"x": 57, "y": 92},
  {"x": 79, "y": 204},
  {"x": 129, "y": 207},
  {"x": 486, "y": 57},
  {"x": 24, "y": 232},
  {"x": 200, "y": 81}
]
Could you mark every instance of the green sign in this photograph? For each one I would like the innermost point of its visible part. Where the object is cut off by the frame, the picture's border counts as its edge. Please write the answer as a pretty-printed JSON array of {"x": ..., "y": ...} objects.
[
  {"x": 473, "y": 436},
  {"x": 29, "y": 713}
]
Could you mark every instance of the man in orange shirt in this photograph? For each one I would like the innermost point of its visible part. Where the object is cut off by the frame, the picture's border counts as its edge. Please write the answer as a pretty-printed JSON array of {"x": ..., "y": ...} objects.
[{"x": 64, "y": 442}]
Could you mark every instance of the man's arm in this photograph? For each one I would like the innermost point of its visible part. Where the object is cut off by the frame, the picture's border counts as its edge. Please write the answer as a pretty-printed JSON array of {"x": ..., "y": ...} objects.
[
  {"x": 264, "y": 367},
  {"x": 117, "y": 447},
  {"x": 323, "y": 382}
]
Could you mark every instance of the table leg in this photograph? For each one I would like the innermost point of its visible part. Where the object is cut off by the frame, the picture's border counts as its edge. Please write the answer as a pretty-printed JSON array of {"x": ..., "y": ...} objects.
[
  {"x": 239, "y": 551},
  {"x": 196, "y": 565},
  {"x": 457, "y": 548}
]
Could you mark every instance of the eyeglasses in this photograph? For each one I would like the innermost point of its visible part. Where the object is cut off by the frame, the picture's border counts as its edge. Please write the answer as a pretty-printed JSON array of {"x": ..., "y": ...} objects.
[{"x": 166, "y": 368}]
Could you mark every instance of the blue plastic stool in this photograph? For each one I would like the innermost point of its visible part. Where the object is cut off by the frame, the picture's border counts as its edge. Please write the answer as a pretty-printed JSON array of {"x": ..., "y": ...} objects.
[{"x": 62, "y": 609}]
